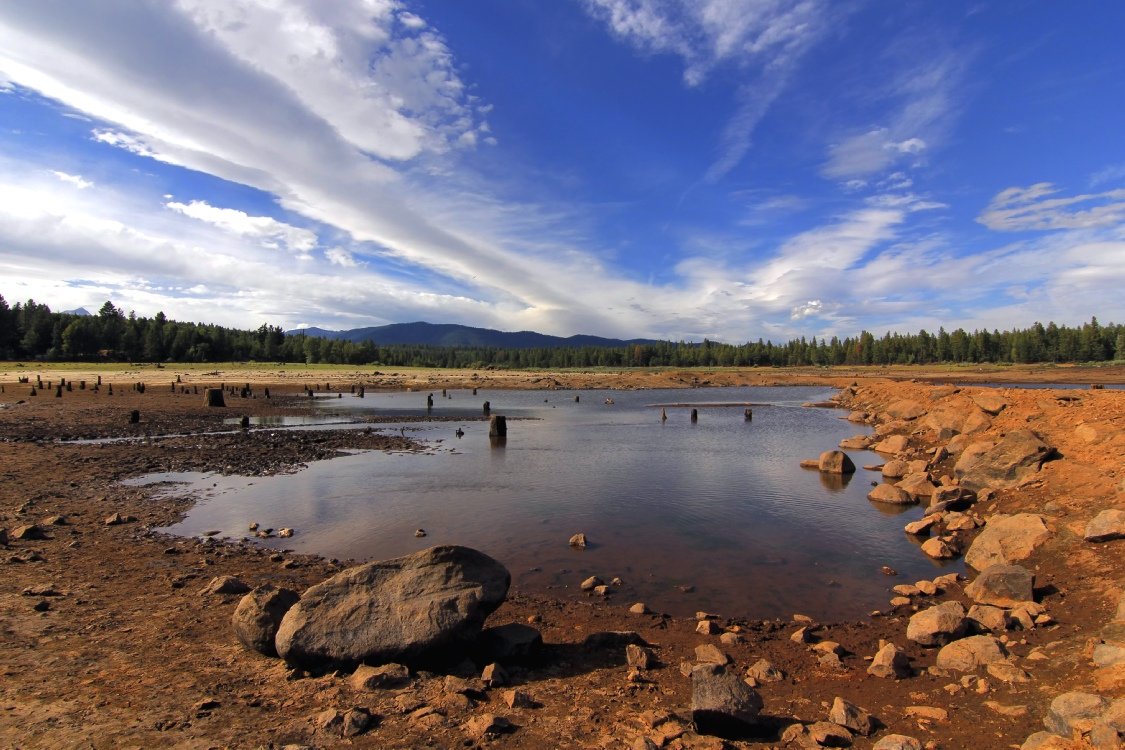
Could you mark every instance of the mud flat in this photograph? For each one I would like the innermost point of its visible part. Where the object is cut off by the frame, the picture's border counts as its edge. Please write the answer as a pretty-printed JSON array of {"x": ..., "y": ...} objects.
[{"x": 107, "y": 639}]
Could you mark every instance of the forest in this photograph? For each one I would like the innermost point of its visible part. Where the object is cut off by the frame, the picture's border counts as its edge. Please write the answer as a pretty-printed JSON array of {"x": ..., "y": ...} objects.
[{"x": 31, "y": 331}]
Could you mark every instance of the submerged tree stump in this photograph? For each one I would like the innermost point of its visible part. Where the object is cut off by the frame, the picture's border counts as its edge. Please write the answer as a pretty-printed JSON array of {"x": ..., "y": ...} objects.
[
  {"x": 748, "y": 415},
  {"x": 245, "y": 423},
  {"x": 663, "y": 414},
  {"x": 487, "y": 407},
  {"x": 695, "y": 415},
  {"x": 498, "y": 426},
  {"x": 134, "y": 416},
  {"x": 214, "y": 397}
]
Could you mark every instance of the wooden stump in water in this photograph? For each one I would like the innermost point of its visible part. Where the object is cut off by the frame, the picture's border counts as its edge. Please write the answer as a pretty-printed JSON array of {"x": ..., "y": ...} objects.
[
  {"x": 245, "y": 423},
  {"x": 81, "y": 385},
  {"x": 695, "y": 415},
  {"x": 33, "y": 392},
  {"x": 474, "y": 391},
  {"x": 110, "y": 391},
  {"x": 576, "y": 399},
  {"x": 748, "y": 414},
  {"x": 214, "y": 397},
  {"x": 430, "y": 401},
  {"x": 69, "y": 387},
  {"x": 99, "y": 380},
  {"x": 498, "y": 426},
  {"x": 58, "y": 392},
  {"x": 267, "y": 393},
  {"x": 134, "y": 416},
  {"x": 487, "y": 407}
]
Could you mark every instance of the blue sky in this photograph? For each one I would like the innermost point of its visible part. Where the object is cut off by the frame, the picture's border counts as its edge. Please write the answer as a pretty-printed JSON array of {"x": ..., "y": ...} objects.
[{"x": 730, "y": 169}]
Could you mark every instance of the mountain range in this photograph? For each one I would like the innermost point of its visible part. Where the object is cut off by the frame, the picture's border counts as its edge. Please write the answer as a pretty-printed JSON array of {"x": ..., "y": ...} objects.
[{"x": 451, "y": 334}]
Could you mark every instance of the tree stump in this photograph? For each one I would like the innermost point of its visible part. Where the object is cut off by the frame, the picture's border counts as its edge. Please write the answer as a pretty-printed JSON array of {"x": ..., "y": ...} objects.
[
  {"x": 663, "y": 415},
  {"x": 267, "y": 393},
  {"x": 498, "y": 426},
  {"x": 748, "y": 415},
  {"x": 33, "y": 392},
  {"x": 430, "y": 401},
  {"x": 58, "y": 392},
  {"x": 134, "y": 416},
  {"x": 81, "y": 385},
  {"x": 695, "y": 415},
  {"x": 214, "y": 397},
  {"x": 487, "y": 407},
  {"x": 245, "y": 423}
]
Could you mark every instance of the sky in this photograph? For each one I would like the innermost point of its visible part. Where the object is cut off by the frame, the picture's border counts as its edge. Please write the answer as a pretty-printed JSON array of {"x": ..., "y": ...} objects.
[{"x": 673, "y": 169}]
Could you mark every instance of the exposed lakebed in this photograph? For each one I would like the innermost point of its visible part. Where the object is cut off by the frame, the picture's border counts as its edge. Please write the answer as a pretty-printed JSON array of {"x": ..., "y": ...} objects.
[{"x": 712, "y": 515}]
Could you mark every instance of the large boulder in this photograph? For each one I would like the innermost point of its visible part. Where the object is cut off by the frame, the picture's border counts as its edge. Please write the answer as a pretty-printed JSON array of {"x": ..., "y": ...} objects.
[
  {"x": 892, "y": 445},
  {"x": 1074, "y": 708},
  {"x": 968, "y": 654},
  {"x": 937, "y": 625},
  {"x": 394, "y": 610},
  {"x": 906, "y": 409},
  {"x": 258, "y": 616},
  {"x": 835, "y": 462},
  {"x": 847, "y": 714},
  {"x": 1002, "y": 585},
  {"x": 1007, "y": 539},
  {"x": 1004, "y": 463},
  {"x": 721, "y": 702},
  {"x": 990, "y": 402},
  {"x": 918, "y": 486}
]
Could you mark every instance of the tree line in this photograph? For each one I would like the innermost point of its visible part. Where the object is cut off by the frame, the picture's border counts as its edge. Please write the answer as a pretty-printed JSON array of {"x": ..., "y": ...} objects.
[{"x": 30, "y": 330}]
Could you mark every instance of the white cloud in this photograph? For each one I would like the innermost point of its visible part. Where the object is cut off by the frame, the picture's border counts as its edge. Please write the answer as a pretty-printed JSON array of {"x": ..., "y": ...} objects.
[
  {"x": 1111, "y": 173},
  {"x": 340, "y": 257},
  {"x": 768, "y": 37},
  {"x": 810, "y": 308},
  {"x": 73, "y": 179},
  {"x": 268, "y": 231},
  {"x": 1032, "y": 208}
]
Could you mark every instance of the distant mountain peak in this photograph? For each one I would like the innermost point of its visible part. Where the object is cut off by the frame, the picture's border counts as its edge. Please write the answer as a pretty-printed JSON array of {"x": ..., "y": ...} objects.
[
  {"x": 421, "y": 333},
  {"x": 81, "y": 311}
]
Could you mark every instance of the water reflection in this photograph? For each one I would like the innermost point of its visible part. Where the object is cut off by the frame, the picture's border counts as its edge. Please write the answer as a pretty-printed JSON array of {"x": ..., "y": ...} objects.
[{"x": 715, "y": 515}]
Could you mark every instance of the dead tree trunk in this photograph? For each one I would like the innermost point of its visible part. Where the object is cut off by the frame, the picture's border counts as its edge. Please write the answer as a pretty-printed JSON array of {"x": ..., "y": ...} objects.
[{"x": 214, "y": 397}]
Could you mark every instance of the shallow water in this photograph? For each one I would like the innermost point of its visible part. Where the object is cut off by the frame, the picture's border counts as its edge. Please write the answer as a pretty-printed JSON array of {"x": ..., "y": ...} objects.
[{"x": 720, "y": 506}]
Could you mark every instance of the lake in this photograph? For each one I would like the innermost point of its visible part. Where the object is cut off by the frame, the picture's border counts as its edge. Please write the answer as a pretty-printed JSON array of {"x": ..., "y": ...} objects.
[{"x": 714, "y": 515}]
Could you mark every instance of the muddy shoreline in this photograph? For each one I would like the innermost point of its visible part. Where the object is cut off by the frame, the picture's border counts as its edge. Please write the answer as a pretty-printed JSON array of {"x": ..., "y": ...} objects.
[{"x": 108, "y": 643}]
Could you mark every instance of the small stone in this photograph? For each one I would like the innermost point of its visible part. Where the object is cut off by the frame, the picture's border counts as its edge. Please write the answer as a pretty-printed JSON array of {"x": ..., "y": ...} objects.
[
  {"x": 721, "y": 703},
  {"x": 1106, "y": 526},
  {"x": 517, "y": 699},
  {"x": 897, "y": 742},
  {"x": 928, "y": 713},
  {"x": 224, "y": 585},
  {"x": 1007, "y": 672},
  {"x": 494, "y": 675},
  {"x": 639, "y": 656},
  {"x": 285, "y": 533},
  {"x": 967, "y": 654},
  {"x": 708, "y": 653},
  {"x": 1014, "y": 712},
  {"x": 731, "y": 639},
  {"x": 937, "y": 625},
  {"x": 801, "y": 635},
  {"x": 940, "y": 549},
  {"x": 28, "y": 533},
  {"x": 578, "y": 541},
  {"x": 849, "y": 715},
  {"x": 889, "y": 662},
  {"x": 590, "y": 583},
  {"x": 382, "y": 677},
  {"x": 989, "y": 618},
  {"x": 601, "y": 590},
  {"x": 419, "y": 533},
  {"x": 923, "y": 525},
  {"x": 639, "y": 609},
  {"x": 764, "y": 671},
  {"x": 117, "y": 519},
  {"x": 827, "y": 734},
  {"x": 707, "y": 627},
  {"x": 927, "y": 588},
  {"x": 487, "y": 725}
]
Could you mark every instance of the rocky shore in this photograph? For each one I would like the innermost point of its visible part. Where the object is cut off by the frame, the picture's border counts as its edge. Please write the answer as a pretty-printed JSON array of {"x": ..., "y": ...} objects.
[{"x": 116, "y": 636}]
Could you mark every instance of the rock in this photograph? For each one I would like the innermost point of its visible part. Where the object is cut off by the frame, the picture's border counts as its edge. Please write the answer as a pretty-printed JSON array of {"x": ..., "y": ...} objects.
[
  {"x": 382, "y": 677},
  {"x": 857, "y": 417},
  {"x": 1070, "y": 710},
  {"x": 835, "y": 462},
  {"x": 853, "y": 717},
  {"x": 827, "y": 734},
  {"x": 1114, "y": 716},
  {"x": 889, "y": 661},
  {"x": 918, "y": 486},
  {"x": 578, "y": 540},
  {"x": 394, "y": 609},
  {"x": 1002, "y": 585},
  {"x": 487, "y": 725},
  {"x": 639, "y": 657},
  {"x": 511, "y": 642},
  {"x": 927, "y": 713},
  {"x": 989, "y": 402},
  {"x": 892, "y": 445},
  {"x": 855, "y": 442},
  {"x": 345, "y": 724},
  {"x": 1108, "y": 654},
  {"x": 590, "y": 583},
  {"x": 1106, "y": 526},
  {"x": 494, "y": 675},
  {"x": 639, "y": 609},
  {"x": 1005, "y": 671},
  {"x": 888, "y": 493},
  {"x": 285, "y": 533},
  {"x": 117, "y": 519},
  {"x": 895, "y": 469},
  {"x": 707, "y": 627},
  {"x": 897, "y": 742},
  {"x": 764, "y": 671},
  {"x": 3, "y": 537},
  {"x": 28, "y": 533},
  {"x": 967, "y": 654},
  {"x": 517, "y": 699},
  {"x": 1046, "y": 741},
  {"x": 1007, "y": 539},
  {"x": 810, "y": 463},
  {"x": 923, "y": 525},
  {"x": 1014, "y": 712},
  {"x": 708, "y": 653},
  {"x": 988, "y": 618},
  {"x": 801, "y": 635},
  {"x": 731, "y": 639},
  {"x": 55, "y": 521},
  {"x": 721, "y": 703},
  {"x": 975, "y": 422},
  {"x": 937, "y": 625},
  {"x": 905, "y": 409},
  {"x": 954, "y": 521},
  {"x": 1002, "y": 464},
  {"x": 224, "y": 585},
  {"x": 258, "y": 616},
  {"x": 941, "y": 548}
]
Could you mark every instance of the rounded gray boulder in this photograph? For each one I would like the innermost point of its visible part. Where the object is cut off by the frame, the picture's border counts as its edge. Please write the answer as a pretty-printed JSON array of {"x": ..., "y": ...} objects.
[
  {"x": 394, "y": 610},
  {"x": 258, "y": 615}
]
